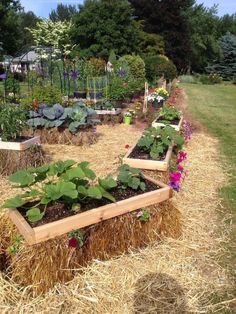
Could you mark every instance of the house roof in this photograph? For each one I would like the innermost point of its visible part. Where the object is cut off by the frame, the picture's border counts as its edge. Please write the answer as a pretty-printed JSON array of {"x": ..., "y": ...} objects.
[{"x": 30, "y": 56}]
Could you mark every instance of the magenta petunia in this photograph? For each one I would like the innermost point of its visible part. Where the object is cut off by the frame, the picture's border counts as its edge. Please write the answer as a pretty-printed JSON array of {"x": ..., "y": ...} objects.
[
  {"x": 180, "y": 168},
  {"x": 73, "y": 242},
  {"x": 175, "y": 176}
]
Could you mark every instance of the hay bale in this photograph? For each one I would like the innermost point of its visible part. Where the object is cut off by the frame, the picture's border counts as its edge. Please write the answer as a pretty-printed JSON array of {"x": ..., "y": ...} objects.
[
  {"x": 111, "y": 118},
  {"x": 43, "y": 265},
  {"x": 85, "y": 136},
  {"x": 13, "y": 160}
]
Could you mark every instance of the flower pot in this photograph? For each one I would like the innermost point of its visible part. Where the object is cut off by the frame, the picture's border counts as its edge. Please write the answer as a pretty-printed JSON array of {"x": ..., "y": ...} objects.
[
  {"x": 157, "y": 104},
  {"x": 80, "y": 94},
  {"x": 95, "y": 95},
  {"x": 127, "y": 120},
  {"x": 56, "y": 228}
]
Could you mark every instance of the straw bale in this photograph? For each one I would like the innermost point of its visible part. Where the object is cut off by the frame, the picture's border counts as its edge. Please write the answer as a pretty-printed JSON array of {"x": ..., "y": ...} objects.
[{"x": 175, "y": 276}]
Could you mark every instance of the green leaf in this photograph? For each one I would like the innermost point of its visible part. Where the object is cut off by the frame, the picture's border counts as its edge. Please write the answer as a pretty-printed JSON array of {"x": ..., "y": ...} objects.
[
  {"x": 56, "y": 191},
  {"x": 142, "y": 186},
  {"x": 41, "y": 169},
  {"x": 74, "y": 173},
  {"x": 34, "y": 214},
  {"x": 82, "y": 190},
  {"x": 107, "y": 183},
  {"x": 32, "y": 193},
  {"x": 134, "y": 183},
  {"x": 22, "y": 177},
  {"x": 107, "y": 194},
  {"x": 94, "y": 192},
  {"x": 14, "y": 202}
]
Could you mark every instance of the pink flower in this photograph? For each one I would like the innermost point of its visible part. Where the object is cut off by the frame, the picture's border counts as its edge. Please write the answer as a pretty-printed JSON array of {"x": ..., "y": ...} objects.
[
  {"x": 182, "y": 157},
  {"x": 180, "y": 168},
  {"x": 73, "y": 242},
  {"x": 175, "y": 176}
]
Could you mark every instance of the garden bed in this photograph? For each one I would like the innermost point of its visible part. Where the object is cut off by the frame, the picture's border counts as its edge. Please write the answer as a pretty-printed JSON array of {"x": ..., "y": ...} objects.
[
  {"x": 136, "y": 157},
  {"x": 127, "y": 201},
  {"x": 116, "y": 111},
  {"x": 176, "y": 124},
  {"x": 20, "y": 144}
]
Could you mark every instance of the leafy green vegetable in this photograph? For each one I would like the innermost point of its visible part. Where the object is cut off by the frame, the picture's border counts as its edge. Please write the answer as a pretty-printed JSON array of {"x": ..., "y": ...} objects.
[
  {"x": 131, "y": 177},
  {"x": 34, "y": 214}
]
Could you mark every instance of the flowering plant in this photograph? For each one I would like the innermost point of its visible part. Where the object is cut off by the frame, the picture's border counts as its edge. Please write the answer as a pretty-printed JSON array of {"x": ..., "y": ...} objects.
[
  {"x": 177, "y": 175},
  {"x": 155, "y": 97},
  {"x": 127, "y": 114},
  {"x": 162, "y": 92}
]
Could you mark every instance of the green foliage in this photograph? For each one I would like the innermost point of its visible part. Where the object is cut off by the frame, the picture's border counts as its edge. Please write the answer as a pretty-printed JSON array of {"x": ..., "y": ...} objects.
[
  {"x": 190, "y": 79},
  {"x": 131, "y": 178},
  {"x": 151, "y": 44},
  {"x": 12, "y": 85},
  {"x": 57, "y": 116},
  {"x": 63, "y": 13},
  {"x": 226, "y": 66},
  {"x": 61, "y": 181},
  {"x": 103, "y": 25},
  {"x": 210, "y": 79},
  {"x": 156, "y": 141},
  {"x": 47, "y": 94},
  {"x": 14, "y": 248},
  {"x": 124, "y": 88},
  {"x": 95, "y": 67},
  {"x": 12, "y": 121},
  {"x": 144, "y": 215},
  {"x": 136, "y": 66},
  {"x": 169, "y": 113},
  {"x": 78, "y": 235},
  {"x": 157, "y": 66}
]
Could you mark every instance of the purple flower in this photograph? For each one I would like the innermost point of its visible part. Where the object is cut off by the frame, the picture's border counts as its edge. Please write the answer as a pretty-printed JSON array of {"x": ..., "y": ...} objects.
[
  {"x": 122, "y": 73},
  {"x": 65, "y": 74},
  {"x": 175, "y": 186},
  {"x": 175, "y": 176},
  {"x": 74, "y": 74}
]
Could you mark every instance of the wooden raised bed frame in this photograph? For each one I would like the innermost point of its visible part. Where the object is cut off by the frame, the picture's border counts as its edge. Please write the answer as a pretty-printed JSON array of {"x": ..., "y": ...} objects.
[
  {"x": 149, "y": 164},
  {"x": 20, "y": 145},
  {"x": 176, "y": 127},
  {"x": 111, "y": 112},
  {"x": 90, "y": 217}
]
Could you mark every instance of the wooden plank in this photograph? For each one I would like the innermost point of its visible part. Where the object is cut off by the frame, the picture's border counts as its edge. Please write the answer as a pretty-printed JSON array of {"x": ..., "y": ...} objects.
[
  {"x": 25, "y": 229},
  {"x": 20, "y": 145},
  {"x": 90, "y": 217},
  {"x": 161, "y": 165},
  {"x": 176, "y": 127},
  {"x": 111, "y": 112}
]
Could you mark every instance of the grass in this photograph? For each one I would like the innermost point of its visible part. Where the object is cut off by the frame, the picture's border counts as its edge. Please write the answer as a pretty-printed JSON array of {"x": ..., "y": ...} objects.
[{"x": 215, "y": 107}]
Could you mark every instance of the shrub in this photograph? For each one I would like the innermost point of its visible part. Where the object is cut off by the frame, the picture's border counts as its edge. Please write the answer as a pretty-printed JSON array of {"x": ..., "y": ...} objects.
[
  {"x": 211, "y": 79},
  {"x": 47, "y": 94},
  {"x": 12, "y": 121},
  {"x": 12, "y": 85},
  {"x": 136, "y": 66},
  {"x": 188, "y": 79},
  {"x": 158, "y": 65},
  {"x": 96, "y": 67},
  {"x": 120, "y": 89}
]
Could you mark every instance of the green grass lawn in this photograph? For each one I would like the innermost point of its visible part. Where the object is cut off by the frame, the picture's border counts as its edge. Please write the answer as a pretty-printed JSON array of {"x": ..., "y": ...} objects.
[{"x": 215, "y": 107}]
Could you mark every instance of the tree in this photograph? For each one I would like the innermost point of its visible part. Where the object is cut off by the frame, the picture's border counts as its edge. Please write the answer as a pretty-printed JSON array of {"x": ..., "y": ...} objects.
[
  {"x": 52, "y": 34},
  {"x": 203, "y": 27},
  {"x": 63, "y": 13},
  {"x": 166, "y": 18},
  {"x": 103, "y": 25},
  {"x": 227, "y": 23},
  {"x": 226, "y": 66},
  {"x": 9, "y": 26},
  {"x": 27, "y": 20}
]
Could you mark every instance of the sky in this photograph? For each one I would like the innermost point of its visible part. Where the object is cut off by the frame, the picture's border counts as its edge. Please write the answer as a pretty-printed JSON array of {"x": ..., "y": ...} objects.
[{"x": 43, "y": 7}]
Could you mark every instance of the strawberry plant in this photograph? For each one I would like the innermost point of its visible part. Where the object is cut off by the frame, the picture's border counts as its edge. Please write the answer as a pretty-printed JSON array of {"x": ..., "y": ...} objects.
[
  {"x": 155, "y": 141},
  {"x": 169, "y": 113},
  {"x": 59, "y": 182},
  {"x": 131, "y": 178}
]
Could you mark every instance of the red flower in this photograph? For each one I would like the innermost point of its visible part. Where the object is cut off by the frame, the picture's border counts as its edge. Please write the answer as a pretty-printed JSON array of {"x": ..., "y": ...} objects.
[
  {"x": 73, "y": 242},
  {"x": 127, "y": 146}
]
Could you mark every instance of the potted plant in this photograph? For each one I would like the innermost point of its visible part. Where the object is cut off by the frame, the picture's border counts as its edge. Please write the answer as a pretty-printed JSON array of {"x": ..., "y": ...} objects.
[
  {"x": 127, "y": 117},
  {"x": 169, "y": 115},
  {"x": 13, "y": 120},
  {"x": 65, "y": 196},
  {"x": 153, "y": 150},
  {"x": 156, "y": 100}
]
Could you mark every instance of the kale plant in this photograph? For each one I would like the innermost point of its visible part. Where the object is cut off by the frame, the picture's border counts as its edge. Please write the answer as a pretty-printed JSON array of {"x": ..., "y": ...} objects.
[
  {"x": 12, "y": 121},
  {"x": 57, "y": 116},
  {"x": 61, "y": 181},
  {"x": 156, "y": 141}
]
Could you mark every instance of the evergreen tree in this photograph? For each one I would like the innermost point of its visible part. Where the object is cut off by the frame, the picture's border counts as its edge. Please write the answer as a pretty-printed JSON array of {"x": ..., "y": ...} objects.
[
  {"x": 226, "y": 66},
  {"x": 63, "y": 13}
]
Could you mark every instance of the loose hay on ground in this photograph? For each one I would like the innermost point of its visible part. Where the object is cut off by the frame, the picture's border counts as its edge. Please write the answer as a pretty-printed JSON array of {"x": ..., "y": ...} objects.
[{"x": 176, "y": 276}]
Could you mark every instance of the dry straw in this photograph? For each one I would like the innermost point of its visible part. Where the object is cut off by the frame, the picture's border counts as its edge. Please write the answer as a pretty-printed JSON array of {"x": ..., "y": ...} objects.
[{"x": 175, "y": 276}]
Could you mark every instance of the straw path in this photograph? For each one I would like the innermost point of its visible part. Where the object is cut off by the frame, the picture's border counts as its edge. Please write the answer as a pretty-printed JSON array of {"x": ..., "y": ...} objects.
[{"x": 176, "y": 276}]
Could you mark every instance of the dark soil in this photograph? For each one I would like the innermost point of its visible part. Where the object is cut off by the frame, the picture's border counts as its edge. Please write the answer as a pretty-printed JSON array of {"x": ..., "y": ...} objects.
[
  {"x": 174, "y": 122},
  {"x": 61, "y": 210},
  {"x": 19, "y": 139},
  {"x": 139, "y": 153}
]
